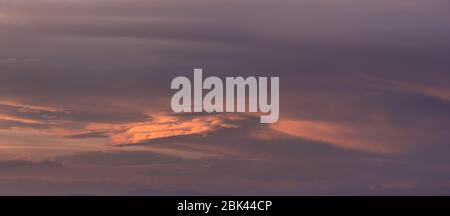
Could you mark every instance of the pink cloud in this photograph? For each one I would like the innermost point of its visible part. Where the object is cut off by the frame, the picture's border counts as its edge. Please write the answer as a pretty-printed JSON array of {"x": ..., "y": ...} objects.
[{"x": 371, "y": 137}]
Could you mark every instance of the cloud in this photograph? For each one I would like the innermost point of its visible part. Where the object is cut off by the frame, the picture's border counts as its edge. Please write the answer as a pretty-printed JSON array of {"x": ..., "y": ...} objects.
[
  {"x": 435, "y": 91},
  {"x": 14, "y": 114},
  {"x": 23, "y": 164},
  {"x": 119, "y": 126},
  {"x": 20, "y": 120},
  {"x": 25, "y": 108},
  {"x": 165, "y": 20},
  {"x": 164, "y": 126},
  {"x": 118, "y": 158},
  {"x": 375, "y": 138},
  {"x": 87, "y": 82},
  {"x": 62, "y": 122}
]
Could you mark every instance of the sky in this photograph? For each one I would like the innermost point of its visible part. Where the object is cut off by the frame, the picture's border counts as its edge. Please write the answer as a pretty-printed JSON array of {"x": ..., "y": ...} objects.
[{"x": 85, "y": 97}]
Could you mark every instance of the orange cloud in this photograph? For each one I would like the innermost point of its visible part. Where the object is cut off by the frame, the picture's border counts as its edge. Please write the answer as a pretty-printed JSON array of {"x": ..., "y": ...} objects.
[{"x": 162, "y": 126}]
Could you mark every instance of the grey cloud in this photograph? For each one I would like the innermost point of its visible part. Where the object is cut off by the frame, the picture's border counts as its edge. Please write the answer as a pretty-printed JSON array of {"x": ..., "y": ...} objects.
[
  {"x": 24, "y": 164},
  {"x": 285, "y": 53},
  {"x": 118, "y": 158},
  {"x": 88, "y": 135}
]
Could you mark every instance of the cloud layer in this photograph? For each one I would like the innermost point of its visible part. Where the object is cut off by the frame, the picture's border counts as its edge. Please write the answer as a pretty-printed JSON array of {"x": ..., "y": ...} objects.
[{"x": 85, "y": 97}]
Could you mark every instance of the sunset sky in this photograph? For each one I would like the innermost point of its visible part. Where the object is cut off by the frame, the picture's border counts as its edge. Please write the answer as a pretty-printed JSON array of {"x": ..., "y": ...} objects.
[{"x": 85, "y": 97}]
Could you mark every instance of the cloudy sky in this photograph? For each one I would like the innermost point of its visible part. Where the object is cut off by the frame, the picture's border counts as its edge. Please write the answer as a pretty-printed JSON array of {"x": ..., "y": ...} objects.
[{"x": 85, "y": 97}]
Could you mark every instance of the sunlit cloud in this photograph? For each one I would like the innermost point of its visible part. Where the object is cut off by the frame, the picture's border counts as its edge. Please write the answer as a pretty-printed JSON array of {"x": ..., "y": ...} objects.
[
  {"x": 163, "y": 126},
  {"x": 51, "y": 124},
  {"x": 374, "y": 138}
]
